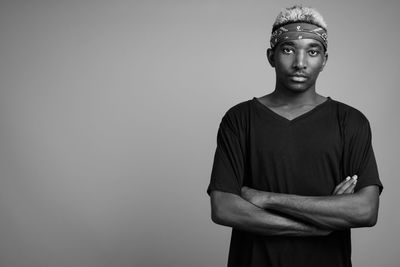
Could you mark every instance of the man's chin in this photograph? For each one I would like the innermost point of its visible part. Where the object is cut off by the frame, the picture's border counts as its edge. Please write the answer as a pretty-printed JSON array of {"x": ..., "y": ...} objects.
[{"x": 299, "y": 87}]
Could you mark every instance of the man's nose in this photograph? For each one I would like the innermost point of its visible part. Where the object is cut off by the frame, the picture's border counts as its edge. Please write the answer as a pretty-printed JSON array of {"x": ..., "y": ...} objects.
[{"x": 300, "y": 60}]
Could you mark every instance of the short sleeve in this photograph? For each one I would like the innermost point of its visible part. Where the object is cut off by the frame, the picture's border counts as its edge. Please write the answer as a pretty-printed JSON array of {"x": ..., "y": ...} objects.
[
  {"x": 228, "y": 167},
  {"x": 359, "y": 156}
]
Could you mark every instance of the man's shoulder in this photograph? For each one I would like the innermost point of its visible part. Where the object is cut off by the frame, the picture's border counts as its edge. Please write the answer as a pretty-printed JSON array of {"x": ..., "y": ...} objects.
[
  {"x": 237, "y": 116},
  {"x": 239, "y": 107},
  {"x": 349, "y": 114}
]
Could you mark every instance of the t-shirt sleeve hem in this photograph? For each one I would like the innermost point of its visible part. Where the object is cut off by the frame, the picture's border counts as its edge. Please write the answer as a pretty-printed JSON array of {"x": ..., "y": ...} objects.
[
  {"x": 225, "y": 190},
  {"x": 379, "y": 185}
]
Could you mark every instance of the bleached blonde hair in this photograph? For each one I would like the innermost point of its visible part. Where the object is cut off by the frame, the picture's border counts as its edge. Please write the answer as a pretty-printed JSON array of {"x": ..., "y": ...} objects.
[{"x": 299, "y": 13}]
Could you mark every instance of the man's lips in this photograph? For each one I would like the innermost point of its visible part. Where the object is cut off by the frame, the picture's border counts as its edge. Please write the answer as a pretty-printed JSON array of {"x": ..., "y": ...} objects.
[{"x": 298, "y": 77}]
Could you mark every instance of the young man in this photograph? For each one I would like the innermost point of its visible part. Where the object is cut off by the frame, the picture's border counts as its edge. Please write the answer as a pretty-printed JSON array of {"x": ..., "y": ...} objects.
[{"x": 293, "y": 170}]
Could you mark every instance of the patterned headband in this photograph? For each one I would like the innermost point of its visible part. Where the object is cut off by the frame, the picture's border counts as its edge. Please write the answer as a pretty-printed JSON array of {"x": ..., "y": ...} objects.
[{"x": 296, "y": 31}]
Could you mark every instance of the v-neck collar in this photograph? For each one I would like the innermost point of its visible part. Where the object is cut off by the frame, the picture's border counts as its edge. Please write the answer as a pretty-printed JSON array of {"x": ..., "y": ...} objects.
[{"x": 280, "y": 117}]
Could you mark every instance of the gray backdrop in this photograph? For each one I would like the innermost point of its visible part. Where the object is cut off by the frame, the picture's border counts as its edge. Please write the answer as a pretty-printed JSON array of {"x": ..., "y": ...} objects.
[{"x": 109, "y": 112}]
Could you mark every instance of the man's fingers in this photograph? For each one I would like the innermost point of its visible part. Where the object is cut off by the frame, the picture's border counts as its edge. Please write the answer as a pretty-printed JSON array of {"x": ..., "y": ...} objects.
[
  {"x": 339, "y": 186},
  {"x": 350, "y": 189},
  {"x": 346, "y": 186}
]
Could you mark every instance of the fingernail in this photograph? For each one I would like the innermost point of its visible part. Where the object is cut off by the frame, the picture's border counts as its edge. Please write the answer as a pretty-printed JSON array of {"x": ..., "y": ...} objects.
[
  {"x": 347, "y": 178},
  {"x": 355, "y": 177}
]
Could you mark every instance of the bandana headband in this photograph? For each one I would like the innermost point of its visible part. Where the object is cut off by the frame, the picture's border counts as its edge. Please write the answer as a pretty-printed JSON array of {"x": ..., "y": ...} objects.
[{"x": 296, "y": 31}]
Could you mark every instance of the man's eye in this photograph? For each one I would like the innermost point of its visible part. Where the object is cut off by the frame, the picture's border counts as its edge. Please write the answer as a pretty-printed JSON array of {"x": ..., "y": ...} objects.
[
  {"x": 313, "y": 52},
  {"x": 287, "y": 50}
]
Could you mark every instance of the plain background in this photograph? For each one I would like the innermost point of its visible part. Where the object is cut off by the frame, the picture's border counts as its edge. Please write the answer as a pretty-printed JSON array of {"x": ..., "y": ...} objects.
[{"x": 109, "y": 112}]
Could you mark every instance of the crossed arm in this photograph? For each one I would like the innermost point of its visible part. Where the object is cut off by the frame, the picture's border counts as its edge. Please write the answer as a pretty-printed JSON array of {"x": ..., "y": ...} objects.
[{"x": 283, "y": 214}]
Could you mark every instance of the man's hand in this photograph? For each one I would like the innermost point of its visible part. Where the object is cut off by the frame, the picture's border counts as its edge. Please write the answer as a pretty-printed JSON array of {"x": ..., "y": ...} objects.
[{"x": 346, "y": 187}]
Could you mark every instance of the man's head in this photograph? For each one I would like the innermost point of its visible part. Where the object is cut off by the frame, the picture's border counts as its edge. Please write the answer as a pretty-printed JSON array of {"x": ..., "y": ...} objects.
[
  {"x": 299, "y": 22},
  {"x": 298, "y": 48}
]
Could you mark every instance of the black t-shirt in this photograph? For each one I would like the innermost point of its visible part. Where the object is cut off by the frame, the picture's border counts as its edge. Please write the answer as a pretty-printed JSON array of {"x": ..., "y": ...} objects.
[{"x": 308, "y": 156}]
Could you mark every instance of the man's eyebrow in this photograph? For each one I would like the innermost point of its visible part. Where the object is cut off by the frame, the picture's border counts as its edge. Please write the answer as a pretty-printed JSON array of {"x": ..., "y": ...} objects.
[{"x": 315, "y": 45}]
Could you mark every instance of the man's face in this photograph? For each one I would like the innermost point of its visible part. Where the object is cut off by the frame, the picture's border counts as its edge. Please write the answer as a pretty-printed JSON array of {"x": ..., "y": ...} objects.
[{"x": 298, "y": 63}]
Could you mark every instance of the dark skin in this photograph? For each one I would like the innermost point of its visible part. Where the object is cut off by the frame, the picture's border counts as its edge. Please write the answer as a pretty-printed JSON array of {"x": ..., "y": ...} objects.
[{"x": 297, "y": 66}]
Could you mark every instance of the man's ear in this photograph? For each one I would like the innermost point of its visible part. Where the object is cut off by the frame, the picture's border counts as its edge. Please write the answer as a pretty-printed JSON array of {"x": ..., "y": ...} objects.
[
  {"x": 270, "y": 57},
  {"x": 325, "y": 60}
]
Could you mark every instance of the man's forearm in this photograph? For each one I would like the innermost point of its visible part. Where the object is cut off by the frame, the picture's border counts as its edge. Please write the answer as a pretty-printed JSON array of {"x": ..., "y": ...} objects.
[
  {"x": 328, "y": 212},
  {"x": 232, "y": 210}
]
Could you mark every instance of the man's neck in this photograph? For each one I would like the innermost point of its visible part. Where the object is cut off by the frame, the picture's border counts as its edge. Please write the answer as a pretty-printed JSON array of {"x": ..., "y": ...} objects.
[{"x": 288, "y": 98}]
